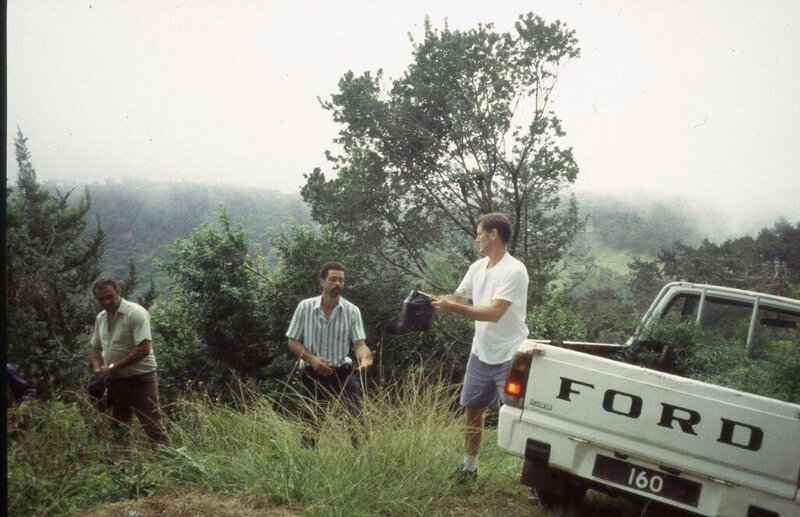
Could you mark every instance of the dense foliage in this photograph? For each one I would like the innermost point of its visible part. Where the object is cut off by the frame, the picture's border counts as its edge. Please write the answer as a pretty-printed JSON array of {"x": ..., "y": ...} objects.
[
  {"x": 682, "y": 347},
  {"x": 219, "y": 296},
  {"x": 49, "y": 266}
]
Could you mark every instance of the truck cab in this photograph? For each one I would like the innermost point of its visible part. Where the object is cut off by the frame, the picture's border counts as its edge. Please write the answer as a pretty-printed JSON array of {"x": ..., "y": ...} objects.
[{"x": 745, "y": 317}]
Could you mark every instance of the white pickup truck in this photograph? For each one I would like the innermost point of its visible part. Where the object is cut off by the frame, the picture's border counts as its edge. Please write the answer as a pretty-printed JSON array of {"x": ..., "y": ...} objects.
[{"x": 584, "y": 421}]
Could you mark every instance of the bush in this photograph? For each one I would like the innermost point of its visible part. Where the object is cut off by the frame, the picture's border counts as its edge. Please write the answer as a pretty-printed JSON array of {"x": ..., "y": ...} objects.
[
  {"x": 680, "y": 347},
  {"x": 555, "y": 320}
]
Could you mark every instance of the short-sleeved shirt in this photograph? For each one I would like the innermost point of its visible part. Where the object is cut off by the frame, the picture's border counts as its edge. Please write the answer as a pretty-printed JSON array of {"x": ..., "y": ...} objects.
[
  {"x": 131, "y": 327},
  {"x": 496, "y": 343},
  {"x": 331, "y": 337}
]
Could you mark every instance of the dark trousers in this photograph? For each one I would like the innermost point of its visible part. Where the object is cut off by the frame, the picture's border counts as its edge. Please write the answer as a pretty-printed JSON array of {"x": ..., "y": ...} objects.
[
  {"x": 139, "y": 394},
  {"x": 341, "y": 384}
]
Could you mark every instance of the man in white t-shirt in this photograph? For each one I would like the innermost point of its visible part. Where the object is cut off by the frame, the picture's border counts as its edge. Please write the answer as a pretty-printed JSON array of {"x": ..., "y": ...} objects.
[{"x": 498, "y": 287}]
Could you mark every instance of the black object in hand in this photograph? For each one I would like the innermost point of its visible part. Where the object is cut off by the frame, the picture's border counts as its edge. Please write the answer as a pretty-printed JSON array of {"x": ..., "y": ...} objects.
[{"x": 417, "y": 312}]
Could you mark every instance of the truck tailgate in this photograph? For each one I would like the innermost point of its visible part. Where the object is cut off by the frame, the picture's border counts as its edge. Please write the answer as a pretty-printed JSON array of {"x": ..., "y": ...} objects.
[{"x": 715, "y": 432}]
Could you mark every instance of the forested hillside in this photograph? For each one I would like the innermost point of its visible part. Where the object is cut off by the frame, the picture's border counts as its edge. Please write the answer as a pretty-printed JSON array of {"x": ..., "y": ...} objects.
[
  {"x": 140, "y": 218},
  {"x": 644, "y": 224}
]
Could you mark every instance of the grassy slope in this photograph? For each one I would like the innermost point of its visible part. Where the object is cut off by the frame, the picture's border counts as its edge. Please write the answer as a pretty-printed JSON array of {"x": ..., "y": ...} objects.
[{"x": 251, "y": 462}]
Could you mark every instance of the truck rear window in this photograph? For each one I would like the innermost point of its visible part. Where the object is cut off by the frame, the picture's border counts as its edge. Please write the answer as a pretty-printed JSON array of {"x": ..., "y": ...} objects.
[
  {"x": 715, "y": 349},
  {"x": 727, "y": 319}
]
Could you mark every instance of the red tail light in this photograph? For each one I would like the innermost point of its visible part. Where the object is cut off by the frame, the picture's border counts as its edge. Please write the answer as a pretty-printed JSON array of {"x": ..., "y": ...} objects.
[
  {"x": 517, "y": 380},
  {"x": 514, "y": 389}
]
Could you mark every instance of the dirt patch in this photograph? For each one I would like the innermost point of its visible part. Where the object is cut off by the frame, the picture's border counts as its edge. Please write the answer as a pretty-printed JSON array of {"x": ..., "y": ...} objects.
[{"x": 177, "y": 501}]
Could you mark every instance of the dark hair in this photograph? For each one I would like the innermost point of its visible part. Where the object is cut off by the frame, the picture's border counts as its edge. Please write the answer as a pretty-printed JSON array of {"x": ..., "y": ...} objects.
[
  {"x": 104, "y": 281},
  {"x": 495, "y": 221},
  {"x": 323, "y": 273}
]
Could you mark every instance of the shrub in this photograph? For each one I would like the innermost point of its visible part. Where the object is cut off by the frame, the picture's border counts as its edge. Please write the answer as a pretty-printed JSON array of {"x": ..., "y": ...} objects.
[{"x": 554, "y": 320}]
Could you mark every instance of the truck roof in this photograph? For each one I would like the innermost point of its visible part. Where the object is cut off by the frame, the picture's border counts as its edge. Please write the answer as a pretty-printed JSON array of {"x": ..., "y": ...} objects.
[{"x": 731, "y": 291}]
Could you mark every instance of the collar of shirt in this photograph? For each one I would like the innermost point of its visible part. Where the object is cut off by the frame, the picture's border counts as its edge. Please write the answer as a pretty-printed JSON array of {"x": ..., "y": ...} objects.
[
  {"x": 318, "y": 307},
  {"x": 124, "y": 306}
]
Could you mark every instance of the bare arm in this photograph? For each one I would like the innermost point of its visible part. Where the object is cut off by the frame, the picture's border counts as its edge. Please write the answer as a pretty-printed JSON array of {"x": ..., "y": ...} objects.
[
  {"x": 453, "y": 303},
  {"x": 453, "y": 298},
  {"x": 319, "y": 364}
]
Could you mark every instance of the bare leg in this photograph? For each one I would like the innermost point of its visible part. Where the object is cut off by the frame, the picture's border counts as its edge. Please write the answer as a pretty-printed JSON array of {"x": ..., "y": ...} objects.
[{"x": 474, "y": 432}]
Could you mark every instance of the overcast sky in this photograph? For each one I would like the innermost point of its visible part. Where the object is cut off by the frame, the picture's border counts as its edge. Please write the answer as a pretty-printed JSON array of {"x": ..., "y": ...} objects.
[{"x": 697, "y": 98}]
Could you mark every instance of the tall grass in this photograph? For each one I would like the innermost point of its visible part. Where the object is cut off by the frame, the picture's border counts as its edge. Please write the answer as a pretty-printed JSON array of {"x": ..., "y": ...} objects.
[
  {"x": 57, "y": 464},
  {"x": 406, "y": 447}
]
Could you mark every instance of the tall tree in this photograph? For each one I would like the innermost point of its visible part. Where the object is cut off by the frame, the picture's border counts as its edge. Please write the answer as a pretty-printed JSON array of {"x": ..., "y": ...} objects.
[
  {"x": 49, "y": 268},
  {"x": 466, "y": 131}
]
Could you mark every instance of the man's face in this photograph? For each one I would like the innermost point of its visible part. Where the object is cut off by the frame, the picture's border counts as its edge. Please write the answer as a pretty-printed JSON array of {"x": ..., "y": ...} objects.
[
  {"x": 483, "y": 238},
  {"x": 333, "y": 284},
  {"x": 108, "y": 298}
]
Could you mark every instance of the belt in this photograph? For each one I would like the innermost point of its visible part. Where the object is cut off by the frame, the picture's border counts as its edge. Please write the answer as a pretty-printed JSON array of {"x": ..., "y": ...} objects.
[{"x": 340, "y": 371}]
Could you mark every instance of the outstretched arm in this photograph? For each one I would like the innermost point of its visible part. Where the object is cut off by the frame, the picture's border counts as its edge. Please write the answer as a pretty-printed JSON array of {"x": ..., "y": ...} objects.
[{"x": 492, "y": 312}]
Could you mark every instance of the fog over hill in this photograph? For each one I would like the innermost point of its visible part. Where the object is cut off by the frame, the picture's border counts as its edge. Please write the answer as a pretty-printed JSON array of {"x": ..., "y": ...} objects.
[
  {"x": 141, "y": 218},
  {"x": 667, "y": 217},
  {"x": 709, "y": 219}
]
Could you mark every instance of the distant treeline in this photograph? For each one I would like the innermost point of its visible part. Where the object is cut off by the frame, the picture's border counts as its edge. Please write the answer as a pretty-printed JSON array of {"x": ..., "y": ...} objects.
[
  {"x": 140, "y": 218},
  {"x": 230, "y": 265}
]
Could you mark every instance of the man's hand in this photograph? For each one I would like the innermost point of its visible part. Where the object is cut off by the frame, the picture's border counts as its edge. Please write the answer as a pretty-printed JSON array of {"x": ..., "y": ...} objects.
[
  {"x": 320, "y": 365},
  {"x": 442, "y": 305},
  {"x": 102, "y": 372},
  {"x": 366, "y": 361},
  {"x": 364, "y": 355}
]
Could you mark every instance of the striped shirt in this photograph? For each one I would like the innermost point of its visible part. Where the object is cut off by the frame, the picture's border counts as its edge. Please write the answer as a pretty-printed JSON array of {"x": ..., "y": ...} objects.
[{"x": 331, "y": 337}]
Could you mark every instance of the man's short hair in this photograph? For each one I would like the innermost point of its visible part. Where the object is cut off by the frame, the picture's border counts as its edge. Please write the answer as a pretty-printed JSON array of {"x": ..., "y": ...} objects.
[
  {"x": 104, "y": 281},
  {"x": 495, "y": 221},
  {"x": 323, "y": 273}
]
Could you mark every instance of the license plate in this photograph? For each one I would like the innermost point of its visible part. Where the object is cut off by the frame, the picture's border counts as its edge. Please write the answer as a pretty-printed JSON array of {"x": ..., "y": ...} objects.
[{"x": 647, "y": 480}]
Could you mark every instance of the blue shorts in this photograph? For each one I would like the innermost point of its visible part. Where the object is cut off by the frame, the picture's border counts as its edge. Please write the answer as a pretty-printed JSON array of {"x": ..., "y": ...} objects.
[{"x": 483, "y": 383}]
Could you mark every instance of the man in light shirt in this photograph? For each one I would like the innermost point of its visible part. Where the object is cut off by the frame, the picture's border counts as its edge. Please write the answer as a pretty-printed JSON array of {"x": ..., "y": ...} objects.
[
  {"x": 122, "y": 351},
  {"x": 498, "y": 287}
]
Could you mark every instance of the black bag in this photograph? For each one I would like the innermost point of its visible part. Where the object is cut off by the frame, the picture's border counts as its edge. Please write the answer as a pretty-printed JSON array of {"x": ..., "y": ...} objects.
[
  {"x": 101, "y": 391},
  {"x": 417, "y": 312}
]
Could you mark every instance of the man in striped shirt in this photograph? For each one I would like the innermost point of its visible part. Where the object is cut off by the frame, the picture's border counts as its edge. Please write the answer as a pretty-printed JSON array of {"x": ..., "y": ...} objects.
[{"x": 321, "y": 333}]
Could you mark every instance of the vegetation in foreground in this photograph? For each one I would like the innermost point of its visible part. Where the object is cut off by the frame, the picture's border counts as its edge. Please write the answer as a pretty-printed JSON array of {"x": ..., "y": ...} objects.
[{"x": 408, "y": 448}]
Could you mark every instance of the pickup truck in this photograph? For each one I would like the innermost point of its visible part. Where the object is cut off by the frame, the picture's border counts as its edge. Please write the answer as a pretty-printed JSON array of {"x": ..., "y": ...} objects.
[{"x": 581, "y": 420}]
